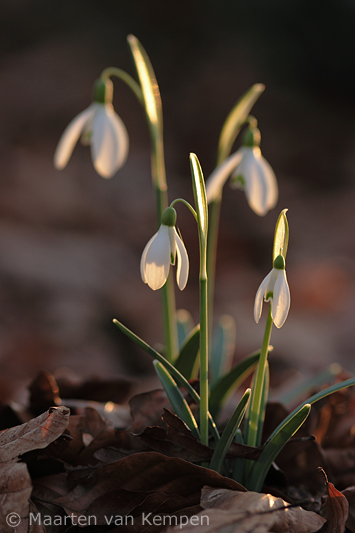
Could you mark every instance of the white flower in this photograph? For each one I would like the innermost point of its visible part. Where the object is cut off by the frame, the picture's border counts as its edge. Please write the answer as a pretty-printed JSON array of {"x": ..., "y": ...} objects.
[
  {"x": 274, "y": 287},
  {"x": 102, "y": 128},
  {"x": 159, "y": 253},
  {"x": 249, "y": 170}
]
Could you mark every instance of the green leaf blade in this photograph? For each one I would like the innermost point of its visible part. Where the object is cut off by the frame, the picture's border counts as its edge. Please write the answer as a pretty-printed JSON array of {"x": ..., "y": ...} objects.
[
  {"x": 187, "y": 358},
  {"x": 180, "y": 405},
  {"x": 229, "y": 433},
  {"x": 236, "y": 119}
]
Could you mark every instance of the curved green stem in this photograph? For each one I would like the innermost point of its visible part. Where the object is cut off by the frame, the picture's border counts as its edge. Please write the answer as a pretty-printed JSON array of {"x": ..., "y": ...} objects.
[
  {"x": 124, "y": 76},
  {"x": 259, "y": 382},
  {"x": 189, "y": 206}
]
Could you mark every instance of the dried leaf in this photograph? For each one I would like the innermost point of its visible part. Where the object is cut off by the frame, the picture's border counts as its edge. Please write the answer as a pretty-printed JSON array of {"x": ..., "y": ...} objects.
[
  {"x": 15, "y": 482},
  {"x": 335, "y": 510},
  {"x": 135, "y": 482},
  {"x": 244, "y": 512},
  {"x": 178, "y": 441},
  {"x": 34, "y": 434},
  {"x": 147, "y": 409},
  {"x": 349, "y": 493}
]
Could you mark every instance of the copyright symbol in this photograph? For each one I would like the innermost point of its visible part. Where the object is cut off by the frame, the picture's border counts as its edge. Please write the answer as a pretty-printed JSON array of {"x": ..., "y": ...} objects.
[{"x": 13, "y": 519}]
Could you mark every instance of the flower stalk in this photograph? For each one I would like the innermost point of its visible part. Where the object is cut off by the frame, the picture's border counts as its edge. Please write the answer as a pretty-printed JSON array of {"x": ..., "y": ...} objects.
[{"x": 255, "y": 414}]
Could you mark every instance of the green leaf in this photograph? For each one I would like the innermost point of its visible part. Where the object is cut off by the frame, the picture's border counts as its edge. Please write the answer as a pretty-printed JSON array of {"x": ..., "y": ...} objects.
[
  {"x": 185, "y": 324},
  {"x": 231, "y": 381},
  {"x": 186, "y": 361},
  {"x": 200, "y": 198},
  {"x": 273, "y": 447},
  {"x": 149, "y": 85},
  {"x": 173, "y": 371},
  {"x": 236, "y": 119},
  {"x": 223, "y": 348},
  {"x": 229, "y": 433},
  {"x": 281, "y": 236},
  {"x": 176, "y": 399}
]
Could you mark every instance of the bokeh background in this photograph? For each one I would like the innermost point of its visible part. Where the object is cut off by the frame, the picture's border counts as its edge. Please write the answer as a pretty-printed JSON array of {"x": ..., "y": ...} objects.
[{"x": 70, "y": 241}]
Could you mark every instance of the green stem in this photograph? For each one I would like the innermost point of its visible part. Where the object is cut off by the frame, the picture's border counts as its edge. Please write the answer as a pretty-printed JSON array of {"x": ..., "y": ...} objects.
[
  {"x": 204, "y": 360},
  {"x": 122, "y": 75},
  {"x": 257, "y": 394}
]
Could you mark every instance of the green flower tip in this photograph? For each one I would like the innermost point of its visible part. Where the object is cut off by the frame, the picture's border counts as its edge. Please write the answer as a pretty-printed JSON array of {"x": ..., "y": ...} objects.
[
  {"x": 169, "y": 217},
  {"x": 251, "y": 137},
  {"x": 103, "y": 91},
  {"x": 279, "y": 263}
]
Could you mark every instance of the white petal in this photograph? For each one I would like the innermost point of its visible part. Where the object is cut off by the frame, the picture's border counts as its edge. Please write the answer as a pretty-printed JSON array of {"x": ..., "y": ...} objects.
[
  {"x": 70, "y": 137},
  {"x": 155, "y": 261},
  {"x": 272, "y": 191},
  {"x": 255, "y": 184},
  {"x": 182, "y": 271},
  {"x": 172, "y": 232},
  {"x": 109, "y": 142},
  {"x": 261, "y": 292},
  {"x": 217, "y": 179},
  {"x": 281, "y": 300}
]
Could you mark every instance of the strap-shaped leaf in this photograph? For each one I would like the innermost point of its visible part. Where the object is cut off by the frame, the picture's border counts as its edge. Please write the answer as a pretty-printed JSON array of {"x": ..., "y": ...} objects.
[
  {"x": 236, "y": 119},
  {"x": 274, "y": 446},
  {"x": 199, "y": 189},
  {"x": 186, "y": 361},
  {"x": 180, "y": 405},
  {"x": 281, "y": 236},
  {"x": 173, "y": 371},
  {"x": 229, "y": 433},
  {"x": 231, "y": 381}
]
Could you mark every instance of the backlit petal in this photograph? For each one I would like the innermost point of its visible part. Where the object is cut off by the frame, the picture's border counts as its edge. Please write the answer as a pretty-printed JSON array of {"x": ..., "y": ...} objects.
[
  {"x": 259, "y": 298},
  {"x": 172, "y": 232},
  {"x": 182, "y": 269},
  {"x": 255, "y": 183},
  {"x": 281, "y": 300},
  {"x": 70, "y": 137},
  {"x": 109, "y": 142},
  {"x": 217, "y": 179},
  {"x": 155, "y": 261},
  {"x": 272, "y": 191}
]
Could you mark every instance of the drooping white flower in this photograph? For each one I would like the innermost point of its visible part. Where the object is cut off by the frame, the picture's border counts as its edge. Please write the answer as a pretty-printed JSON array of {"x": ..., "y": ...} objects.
[
  {"x": 250, "y": 171},
  {"x": 102, "y": 128},
  {"x": 161, "y": 252},
  {"x": 274, "y": 287}
]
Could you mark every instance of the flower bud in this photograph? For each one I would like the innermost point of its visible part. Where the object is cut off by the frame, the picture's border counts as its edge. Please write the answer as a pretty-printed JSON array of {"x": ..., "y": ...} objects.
[
  {"x": 169, "y": 217},
  {"x": 103, "y": 91}
]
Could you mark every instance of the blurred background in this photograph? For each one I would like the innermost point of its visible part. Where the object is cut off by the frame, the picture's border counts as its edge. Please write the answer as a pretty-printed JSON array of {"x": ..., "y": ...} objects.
[{"x": 70, "y": 241}]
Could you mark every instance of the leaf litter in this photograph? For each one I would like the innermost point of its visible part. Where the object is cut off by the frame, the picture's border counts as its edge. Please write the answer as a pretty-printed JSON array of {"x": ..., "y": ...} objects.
[{"x": 69, "y": 467}]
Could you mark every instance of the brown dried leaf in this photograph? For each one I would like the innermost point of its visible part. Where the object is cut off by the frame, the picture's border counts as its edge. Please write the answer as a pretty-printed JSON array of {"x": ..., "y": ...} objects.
[
  {"x": 147, "y": 409},
  {"x": 244, "y": 512},
  {"x": 335, "y": 510},
  {"x": 119, "y": 486},
  {"x": 15, "y": 482},
  {"x": 349, "y": 494},
  {"x": 178, "y": 441}
]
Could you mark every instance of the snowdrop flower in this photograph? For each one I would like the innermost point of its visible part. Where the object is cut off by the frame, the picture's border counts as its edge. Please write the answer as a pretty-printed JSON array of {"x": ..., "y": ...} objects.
[
  {"x": 161, "y": 251},
  {"x": 101, "y": 127},
  {"x": 274, "y": 287},
  {"x": 250, "y": 171}
]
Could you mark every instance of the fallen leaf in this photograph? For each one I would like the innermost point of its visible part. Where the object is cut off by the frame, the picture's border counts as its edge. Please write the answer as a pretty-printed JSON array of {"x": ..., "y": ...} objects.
[
  {"x": 349, "y": 494},
  {"x": 137, "y": 483},
  {"x": 335, "y": 509},
  {"x": 147, "y": 409},
  {"x": 178, "y": 441},
  {"x": 34, "y": 434},
  {"x": 230, "y": 511},
  {"x": 15, "y": 481}
]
